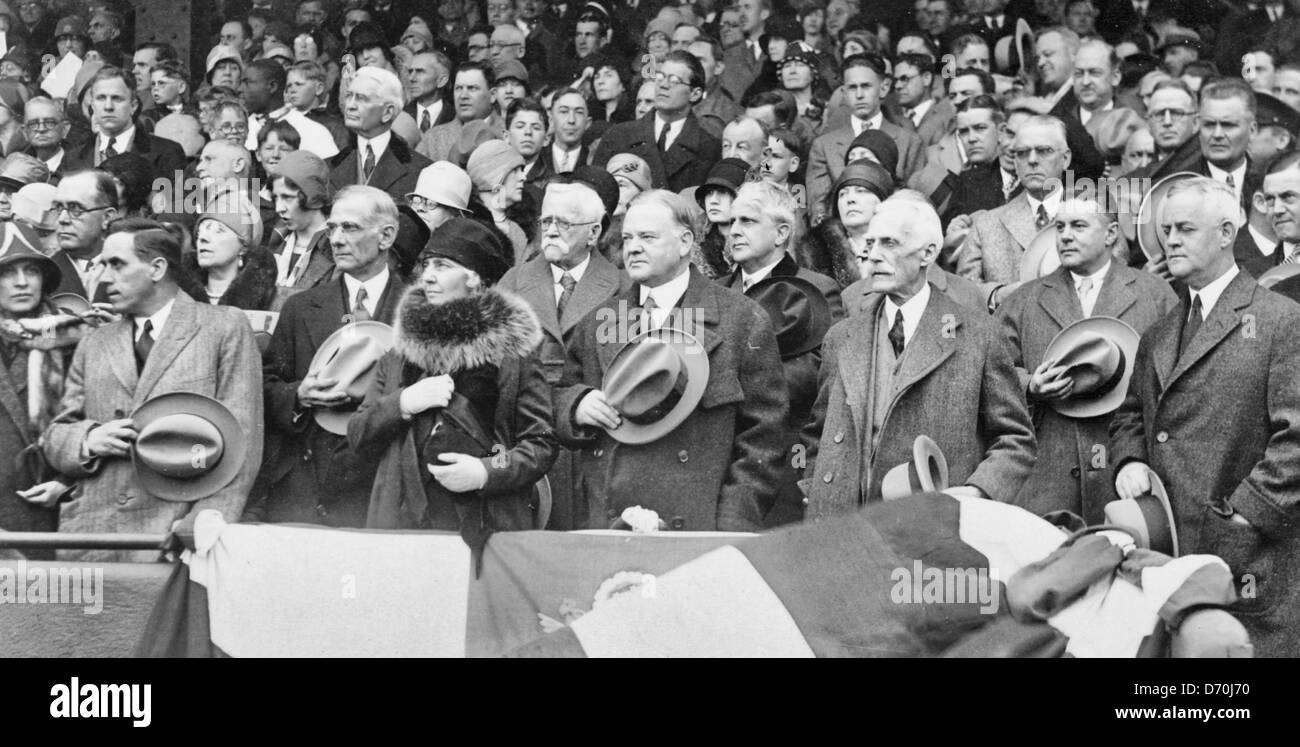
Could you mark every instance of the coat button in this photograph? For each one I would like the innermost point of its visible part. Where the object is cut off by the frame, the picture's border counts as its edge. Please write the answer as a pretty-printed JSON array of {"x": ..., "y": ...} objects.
[
  {"x": 839, "y": 437},
  {"x": 1162, "y": 436},
  {"x": 612, "y": 513},
  {"x": 683, "y": 455},
  {"x": 122, "y": 500},
  {"x": 678, "y": 523},
  {"x": 119, "y": 413},
  {"x": 306, "y": 455},
  {"x": 598, "y": 453},
  {"x": 805, "y": 501},
  {"x": 1074, "y": 472},
  {"x": 827, "y": 477},
  {"x": 320, "y": 510}
]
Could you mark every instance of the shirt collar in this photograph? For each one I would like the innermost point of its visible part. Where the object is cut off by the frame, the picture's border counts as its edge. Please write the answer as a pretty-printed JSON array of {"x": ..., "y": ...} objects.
[
  {"x": 860, "y": 124},
  {"x": 1096, "y": 277},
  {"x": 1238, "y": 174},
  {"x": 379, "y": 143},
  {"x": 557, "y": 272},
  {"x": 1265, "y": 245},
  {"x": 762, "y": 272},
  {"x": 1086, "y": 115},
  {"x": 918, "y": 111},
  {"x": 1209, "y": 295},
  {"x": 121, "y": 141},
  {"x": 1051, "y": 202},
  {"x": 374, "y": 286},
  {"x": 670, "y": 293},
  {"x": 157, "y": 320},
  {"x": 912, "y": 309}
]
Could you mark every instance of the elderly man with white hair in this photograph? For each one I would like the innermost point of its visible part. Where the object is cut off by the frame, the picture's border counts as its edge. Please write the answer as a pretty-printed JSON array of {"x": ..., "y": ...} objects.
[
  {"x": 914, "y": 363},
  {"x": 376, "y": 158},
  {"x": 1213, "y": 410}
]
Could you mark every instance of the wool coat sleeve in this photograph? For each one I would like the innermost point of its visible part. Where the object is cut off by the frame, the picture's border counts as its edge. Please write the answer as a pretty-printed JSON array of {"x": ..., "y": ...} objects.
[
  {"x": 1005, "y": 423},
  {"x": 527, "y": 416},
  {"x": 63, "y": 439}
]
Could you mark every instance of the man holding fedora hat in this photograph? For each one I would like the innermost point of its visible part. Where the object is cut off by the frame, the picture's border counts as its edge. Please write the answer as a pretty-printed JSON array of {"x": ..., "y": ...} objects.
[
  {"x": 563, "y": 284},
  {"x": 914, "y": 363},
  {"x": 1073, "y": 336},
  {"x": 310, "y": 475},
  {"x": 165, "y": 343},
  {"x": 1213, "y": 410},
  {"x": 677, "y": 379}
]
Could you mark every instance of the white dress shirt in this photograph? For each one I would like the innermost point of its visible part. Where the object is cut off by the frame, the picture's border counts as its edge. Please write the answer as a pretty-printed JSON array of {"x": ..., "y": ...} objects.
[
  {"x": 674, "y": 129},
  {"x": 435, "y": 111},
  {"x": 666, "y": 296},
  {"x": 121, "y": 142},
  {"x": 378, "y": 143},
  {"x": 157, "y": 320},
  {"x": 374, "y": 290},
  {"x": 919, "y": 111},
  {"x": 1052, "y": 203},
  {"x": 55, "y": 161},
  {"x": 557, "y": 272},
  {"x": 912, "y": 310},
  {"x": 565, "y": 161},
  {"x": 1238, "y": 177},
  {"x": 1086, "y": 114},
  {"x": 1209, "y": 295},
  {"x": 859, "y": 125},
  {"x": 1264, "y": 244},
  {"x": 746, "y": 280},
  {"x": 1089, "y": 300}
]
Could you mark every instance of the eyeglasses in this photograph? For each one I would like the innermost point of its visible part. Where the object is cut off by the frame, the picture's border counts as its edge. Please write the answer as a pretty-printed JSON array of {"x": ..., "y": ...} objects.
[
  {"x": 673, "y": 80},
  {"x": 475, "y": 48},
  {"x": 561, "y": 224},
  {"x": 43, "y": 124},
  {"x": 233, "y": 129},
  {"x": 1043, "y": 152},
  {"x": 1167, "y": 115},
  {"x": 423, "y": 203},
  {"x": 75, "y": 210}
]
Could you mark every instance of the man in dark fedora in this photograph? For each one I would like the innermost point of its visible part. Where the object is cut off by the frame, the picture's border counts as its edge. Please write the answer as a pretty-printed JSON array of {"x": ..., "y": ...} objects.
[
  {"x": 915, "y": 363},
  {"x": 1073, "y": 468},
  {"x": 164, "y": 342},
  {"x": 1214, "y": 410},
  {"x": 568, "y": 279},
  {"x": 309, "y": 474},
  {"x": 715, "y": 468}
]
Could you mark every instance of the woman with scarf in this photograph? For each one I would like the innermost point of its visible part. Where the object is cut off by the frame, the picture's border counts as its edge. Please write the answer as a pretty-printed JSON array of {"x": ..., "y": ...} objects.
[
  {"x": 36, "y": 344},
  {"x": 459, "y": 413}
]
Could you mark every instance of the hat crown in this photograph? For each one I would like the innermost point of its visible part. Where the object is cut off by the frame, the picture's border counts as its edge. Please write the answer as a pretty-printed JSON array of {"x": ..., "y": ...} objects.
[
  {"x": 647, "y": 381},
  {"x": 181, "y": 445},
  {"x": 1092, "y": 362},
  {"x": 352, "y": 363},
  {"x": 446, "y": 184}
]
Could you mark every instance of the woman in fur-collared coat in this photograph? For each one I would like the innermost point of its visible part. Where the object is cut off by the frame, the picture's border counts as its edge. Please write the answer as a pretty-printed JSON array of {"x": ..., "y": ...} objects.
[{"x": 459, "y": 412}]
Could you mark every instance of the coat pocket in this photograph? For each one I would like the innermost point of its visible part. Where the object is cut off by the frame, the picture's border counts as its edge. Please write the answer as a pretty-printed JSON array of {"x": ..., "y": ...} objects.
[{"x": 1250, "y": 556}]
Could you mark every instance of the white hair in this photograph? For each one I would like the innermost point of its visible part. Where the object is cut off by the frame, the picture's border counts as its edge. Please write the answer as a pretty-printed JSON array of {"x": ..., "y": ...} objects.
[
  {"x": 776, "y": 201},
  {"x": 590, "y": 207},
  {"x": 387, "y": 83},
  {"x": 922, "y": 221},
  {"x": 1217, "y": 199}
]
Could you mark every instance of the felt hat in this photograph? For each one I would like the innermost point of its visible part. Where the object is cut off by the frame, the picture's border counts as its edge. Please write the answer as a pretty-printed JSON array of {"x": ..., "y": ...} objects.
[
  {"x": 927, "y": 472},
  {"x": 72, "y": 26},
  {"x": 1274, "y": 275},
  {"x": 1149, "y": 518},
  {"x": 727, "y": 174},
  {"x": 798, "y": 310},
  {"x": 445, "y": 183},
  {"x": 881, "y": 145},
  {"x": 1040, "y": 257},
  {"x": 189, "y": 446},
  {"x": 1098, "y": 353},
  {"x": 865, "y": 173},
  {"x": 490, "y": 163},
  {"x": 311, "y": 175},
  {"x": 470, "y": 244},
  {"x": 655, "y": 382},
  {"x": 1148, "y": 233},
  {"x": 632, "y": 167},
  {"x": 350, "y": 355},
  {"x": 31, "y": 204},
  {"x": 19, "y": 251}
]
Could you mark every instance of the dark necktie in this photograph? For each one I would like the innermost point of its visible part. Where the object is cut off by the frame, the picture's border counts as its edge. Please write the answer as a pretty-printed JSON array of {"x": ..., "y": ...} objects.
[
  {"x": 425, "y": 123},
  {"x": 1229, "y": 181},
  {"x": 896, "y": 336},
  {"x": 359, "y": 312},
  {"x": 1190, "y": 326},
  {"x": 1041, "y": 220},
  {"x": 143, "y": 346},
  {"x": 647, "y": 309},
  {"x": 567, "y": 283},
  {"x": 109, "y": 150},
  {"x": 369, "y": 167},
  {"x": 663, "y": 139}
]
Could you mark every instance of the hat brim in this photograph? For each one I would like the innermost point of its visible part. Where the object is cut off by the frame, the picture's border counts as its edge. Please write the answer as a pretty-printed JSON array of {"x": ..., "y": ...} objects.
[
  {"x": 73, "y": 303},
  {"x": 1041, "y": 258},
  {"x": 819, "y": 308},
  {"x": 335, "y": 419},
  {"x": 1148, "y": 233},
  {"x": 234, "y": 447},
  {"x": 926, "y": 473},
  {"x": 1113, "y": 329},
  {"x": 51, "y": 275},
  {"x": 696, "y": 360},
  {"x": 1130, "y": 516},
  {"x": 1274, "y": 275}
]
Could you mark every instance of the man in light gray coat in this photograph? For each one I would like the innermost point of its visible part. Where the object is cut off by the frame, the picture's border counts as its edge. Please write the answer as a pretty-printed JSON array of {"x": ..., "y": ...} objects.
[{"x": 196, "y": 348}]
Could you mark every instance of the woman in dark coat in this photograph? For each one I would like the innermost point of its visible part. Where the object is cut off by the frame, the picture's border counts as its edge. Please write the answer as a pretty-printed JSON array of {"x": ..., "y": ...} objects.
[
  {"x": 459, "y": 414},
  {"x": 229, "y": 263}
]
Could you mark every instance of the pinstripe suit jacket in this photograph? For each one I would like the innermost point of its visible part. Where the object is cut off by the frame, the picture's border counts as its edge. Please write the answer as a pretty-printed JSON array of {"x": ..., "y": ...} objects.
[{"x": 202, "y": 349}]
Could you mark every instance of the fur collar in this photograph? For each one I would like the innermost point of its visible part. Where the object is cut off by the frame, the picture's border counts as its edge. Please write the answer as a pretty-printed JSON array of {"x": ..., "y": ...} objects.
[
  {"x": 485, "y": 328},
  {"x": 827, "y": 250},
  {"x": 252, "y": 289}
]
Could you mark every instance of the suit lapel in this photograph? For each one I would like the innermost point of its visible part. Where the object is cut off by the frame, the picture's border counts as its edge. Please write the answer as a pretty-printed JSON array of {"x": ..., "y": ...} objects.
[
  {"x": 328, "y": 314},
  {"x": 855, "y": 359},
  {"x": 389, "y": 169},
  {"x": 537, "y": 290},
  {"x": 598, "y": 282},
  {"x": 1019, "y": 221},
  {"x": 1219, "y": 324},
  {"x": 1059, "y": 300},
  {"x": 683, "y": 150},
  {"x": 1116, "y": 293},
  {"x": 931, "y": 345},
  {"x": 180, "y": 328}
]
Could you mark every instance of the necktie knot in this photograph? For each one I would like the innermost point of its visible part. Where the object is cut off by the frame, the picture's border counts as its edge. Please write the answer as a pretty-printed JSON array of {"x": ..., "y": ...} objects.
[
  {"x": 425, "y": 122},
  {"x": 359, "y": 312},
  {"x": 897, "y": 338},
  {"x": 648, "y": 309},
  {"x": 567, "y": 284}
]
